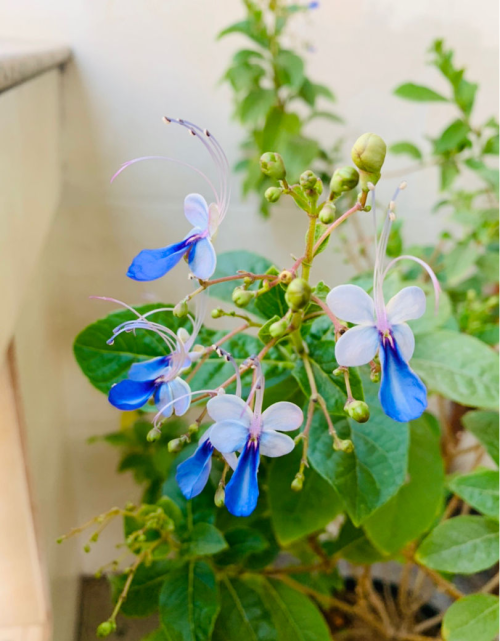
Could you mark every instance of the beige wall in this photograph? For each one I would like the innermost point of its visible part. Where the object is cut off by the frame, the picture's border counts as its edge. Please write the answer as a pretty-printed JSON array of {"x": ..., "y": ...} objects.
[{"x": 138, "y": 59}]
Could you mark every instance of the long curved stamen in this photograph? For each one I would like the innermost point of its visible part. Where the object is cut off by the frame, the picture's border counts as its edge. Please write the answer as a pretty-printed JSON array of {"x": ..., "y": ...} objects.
[
  {"x": 167, "y": 158},
  {"x": 227, "y": 356},
  {"x": 257, "y": 387},
  {"x": 201, "y": 310},
  {"x": 158, "y": 415},
  {"x": 428, "y": 269}
]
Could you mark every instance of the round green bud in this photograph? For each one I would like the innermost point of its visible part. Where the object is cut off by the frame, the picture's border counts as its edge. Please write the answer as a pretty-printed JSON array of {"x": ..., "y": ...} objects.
[
  {"x": 105, "y": 629},
  {"x": 193, "y": 428},
  {"x": 368, "y": 153},
  {"x": 175, "y": 445},
  {"x": 273, "y": 194},
  {"x": 286, "y": 277},
  {"x": 343, "y": 445},
  {"x": 298, "y": 482},
  {"x": 298, "y": 294},
  {"x": 241, "y": 297},
  {"x": 327, "y": 213},
  {"x": 278, "y": 328},
  {"x": 375, "y": 376},
  {"x": 220, "y": 496},
  {"x": 153, "y": 435},
  {"x": 272, "y": 165},
  {"x": 247, "y": 281},
  {"x": 217, "y": 313},
  {"x": 86, "y": 548},
  {"x": 181, "y": 309},
  {"x": 308, "y": 180},
  {"x": 343, "y": 179},
  {"x": 358, "y": 411}
]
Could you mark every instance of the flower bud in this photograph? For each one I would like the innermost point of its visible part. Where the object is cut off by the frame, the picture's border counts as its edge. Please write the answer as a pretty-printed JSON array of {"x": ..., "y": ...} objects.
[
  {"x": 298, "y": 294},
  {"x": 286, "y": 277},
  {"x": 368, "y": 154},
  {"x": 175, "y": 445},
  {"x": 153, "y": 435},
  {"x": 181, "y": 309},
  {"x": 217, "y": 313},
  {"x": 273, "y": 194},
  {"x": 344, "y": 179},
  {"x": 375, "y": 376},
  {"x": 220, "y": 496},
  {"x": 241, "y": 297},
  {"x": 298, "y": 482},
  {"x": 277, "y": 329},
  {"x": 343, "y": 445},
  {"x": 105, "y": 629},
  {"x": 358, "y": 411},
  {"x": 272, "y": 165},
  {"x": 327, "y": 213},
  {"x": 308, "y": 181}
]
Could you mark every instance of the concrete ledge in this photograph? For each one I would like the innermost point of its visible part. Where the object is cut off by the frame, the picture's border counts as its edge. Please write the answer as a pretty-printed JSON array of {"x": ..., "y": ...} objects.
[{"x": 21, "y": 60}]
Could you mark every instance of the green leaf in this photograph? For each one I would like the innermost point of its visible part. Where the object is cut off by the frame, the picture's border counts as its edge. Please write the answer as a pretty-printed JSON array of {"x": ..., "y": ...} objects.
[
  {"x": 297, "y": 514},
  {"x": 254, "y": 30},
  {"x": 484, "y": 426},
  {"x": 318, "y": 232},
  {"x": 325, "y": 115},
  {"x": 368, "y": 477},
  {"x": 204, "y": 539},
  {"x": 327, "y": 385},
  {"x": 142, "y": 597},
  {"x": 487, "y": 174},
  {"x": 413, "y": 510},
  {"x": 294, "y": 615},
  {"x": 465, "y": 94},
  {"x": 431, "y": 320},
  {"x": 418, "y": 93},
  {"x": 353, "y": 546},
  {"x": 105, "y": 364},
  {"x": 156, "y": 635},
  {"x": 473, "y": 618},
  {"x": 243, "y": 614},
  {"x": 453, "y": 138},
  {"x": 479, "y": 489},
  {"x": 298, "y": 153},
  {"x": 458, "y": 366},
  {"x": 243, "y": 541},
  {"x": 407, "y": 148},
  {"x": 449, "y": 171},
  {"x": 256, "y": 105},
  {"x": 263, "y": 333},
  {"x": 491, "y": 146},
  {"x": 245, "y": 77},
  {"x": 290, "y": 69},
  {"x": 459, "y": 262},
  {"x": 189, "y": 603},
  {"x": 462, "y": 545}
]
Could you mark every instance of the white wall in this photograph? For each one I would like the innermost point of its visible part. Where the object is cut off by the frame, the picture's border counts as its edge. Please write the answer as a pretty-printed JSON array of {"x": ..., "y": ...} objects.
[{"x": 136, "y": 60}]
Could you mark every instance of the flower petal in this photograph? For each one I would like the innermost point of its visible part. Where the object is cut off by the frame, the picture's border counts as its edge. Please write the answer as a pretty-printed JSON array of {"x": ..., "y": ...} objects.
[
  {"x": 228, "y": 436},
  {"x": 196, "y": 210},
  {"x": 357, "y": 346},
  {"x": 402, "y": 394},
  {"x": 163, "y": 399},
  {"x": 192, "y": 474},
  {"x": 181, "y": 395},
  {"x": 202, "y": 259},
  {"x": 151, "y": 264},
  {"x": 229, "y": 406},
  {"x": 242, "y": 491},
  {"x": 282, "y": 416},
  {"x": 407, "y": 304},
  {"x": 231, "y": 459},
  {"x": 405, "y": 340},
  {"x": 213, "y": 219},
  {"x": 130, "y": 395},
  {"x": 352, "y": 304},
  {"x": 275, "y": 444},
  {"x": 148, "y": 370}
]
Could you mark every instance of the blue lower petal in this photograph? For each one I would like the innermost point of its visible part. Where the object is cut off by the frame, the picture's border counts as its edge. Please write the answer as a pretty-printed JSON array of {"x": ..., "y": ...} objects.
[
  {"x": 192, "y": 474},
  {"x": 242, "y": 491},
  {"x": 148, "y": 370},
  {"x": 130, "y": 395},
  {"x": 151, "y": 264},
  {"x": 402, "y": 394}
]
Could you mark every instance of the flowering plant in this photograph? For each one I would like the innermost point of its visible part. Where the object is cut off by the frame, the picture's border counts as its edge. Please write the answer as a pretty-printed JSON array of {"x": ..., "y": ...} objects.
[{"x": 313, "y": 436}]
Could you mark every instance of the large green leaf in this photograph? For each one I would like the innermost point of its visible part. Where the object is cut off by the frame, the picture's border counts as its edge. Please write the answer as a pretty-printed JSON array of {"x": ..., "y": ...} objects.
[
  {"x": 353, "y": 545},
  {"x": 189, "y": 603},
  {"x": 462, "y": 545},
  {"x": 460, "y": 367},
  {"x": 412, "y": 511},
  {"x": 297, "y": 514},
  {"x": 256, "y": 105},
  {"x": 294, "y": 615},
  {"x": 243, "y": 613},
  {"x": 473, "y": 618},
  {"x": 204, "y": 539},
  {"x": 368, "y": 477},
  {"x": 453, "y": 137},
  {"x": 479, "y": 489},
  {"x": 484, "y": 426},
  {"x": 419, "y": 93},
  {"x": 290, "y": 69},
  {"x": 142, "y": 597},
  {"x": 327, "y": 385}
]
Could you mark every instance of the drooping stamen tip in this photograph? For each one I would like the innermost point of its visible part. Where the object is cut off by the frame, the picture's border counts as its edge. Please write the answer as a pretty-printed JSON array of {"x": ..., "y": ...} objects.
[
  {"x": 392, "y": 216},
  {"x": 370, "y": 186},
  {"x": 166, "y": 120},
  {"x": 207, "y": 133},
  {"x": 392, "y": 205},
  {"x": 403, "y": 185},
  {"x": 193, "y": 133}
]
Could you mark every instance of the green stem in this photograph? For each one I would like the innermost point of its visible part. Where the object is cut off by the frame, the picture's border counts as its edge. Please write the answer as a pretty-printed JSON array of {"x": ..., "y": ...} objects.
[{"x": 309, "y": 253}]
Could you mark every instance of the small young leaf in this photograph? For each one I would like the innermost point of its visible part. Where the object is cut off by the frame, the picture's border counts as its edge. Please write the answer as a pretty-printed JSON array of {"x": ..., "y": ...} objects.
[
  {"x": 454, "y": 137},
  {"x": 419, "y": 93},
  {"x": 479, "y": 489},
  {"x": 407, "y": 148},
  {"x": 473, "y": 618},
  {"x": 256, "y": 105},
  {"x": 204, "y": 539}
]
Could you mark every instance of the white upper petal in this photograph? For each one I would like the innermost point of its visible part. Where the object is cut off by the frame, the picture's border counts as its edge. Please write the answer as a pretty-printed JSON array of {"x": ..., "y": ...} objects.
[
  {"x": 228, "y": 436},
  {"x": 213, "y": 219},
  {"x": 181, "y": 394},
  {"x": 275, "y": 444},
  {"x": 352, "y": 304},
  {"x": 229, "y": 406},
  {"x": 357, "y": 346},
  {"x": 406, "y": 305},
  {"x": 405, "y": 340},
  {"x": 196, "y": 210},
  {"x": 282, "y": 416}
]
